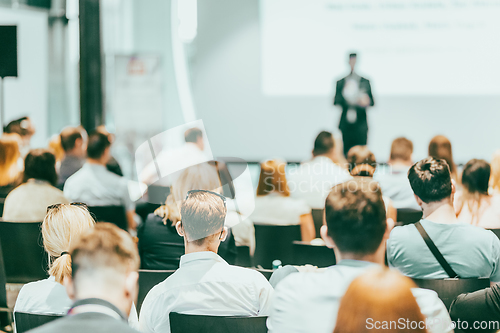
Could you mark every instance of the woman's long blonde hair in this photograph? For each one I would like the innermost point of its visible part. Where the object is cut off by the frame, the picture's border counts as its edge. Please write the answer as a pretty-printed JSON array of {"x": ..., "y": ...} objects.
[
  {"x": 202, "y": 176},
  {"x": 495, "y": 171},
  {"x": 61, "y": 226},
  {"x": 9, "y": 156},
  {"x": 382, "y": 295}
]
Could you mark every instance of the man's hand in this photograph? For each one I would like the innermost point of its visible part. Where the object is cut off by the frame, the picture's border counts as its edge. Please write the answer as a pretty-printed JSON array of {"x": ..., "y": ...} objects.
[{"x": 364, "y": 100}]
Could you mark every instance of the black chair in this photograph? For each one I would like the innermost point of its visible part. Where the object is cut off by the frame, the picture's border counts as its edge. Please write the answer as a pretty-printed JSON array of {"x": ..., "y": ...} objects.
[
  {"x": 274, "y": 242},
  {"x": 408, "y": 216},
  {"x": 243, "y": 256},
  {"x": 184, "y": 323},
  {"x": 496, "y": 232},
  {"x": 449, "y": 289},
  {"x": 317, "y": 215},
  {"x": 2, "y": 202},
  {"x": 5, "y": 312},
  {"x": 23, "y": 254},
  {"x": 28, "y": 321},
  {"x": 147, "y": 280},
  {"x": 112, "y": 214},
  {"x": 317, "y": 255}
]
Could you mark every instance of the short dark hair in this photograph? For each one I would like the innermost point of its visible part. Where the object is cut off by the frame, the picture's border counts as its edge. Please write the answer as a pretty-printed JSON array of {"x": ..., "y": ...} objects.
[
  {"x": 98, "y": 142},
  {"x": 476, "y": 176},
  {"x": 68, "y": 136},
  {"x": 323, "y": 144},
  {"x": 40, "y": 164},
  {"x": 352, "y": 55},
  {"x": 202, "y": 215},
  {"x": 401, "y": 149},
  {"x": 430, "y": 179},
  {"x": 359, "y": 155},
  {"x": 355, "y": 215},
  {"x": 192, "y": 135},
  {"x": 21, "y": 126}
]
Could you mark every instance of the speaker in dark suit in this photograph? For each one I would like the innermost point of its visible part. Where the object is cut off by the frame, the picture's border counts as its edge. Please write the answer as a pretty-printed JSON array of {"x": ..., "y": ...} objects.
[{"x": 353, "y": 94}]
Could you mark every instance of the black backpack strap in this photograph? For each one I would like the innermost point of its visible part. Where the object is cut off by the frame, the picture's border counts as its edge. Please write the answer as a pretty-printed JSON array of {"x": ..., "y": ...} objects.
[{"x": 439, "y": 257}]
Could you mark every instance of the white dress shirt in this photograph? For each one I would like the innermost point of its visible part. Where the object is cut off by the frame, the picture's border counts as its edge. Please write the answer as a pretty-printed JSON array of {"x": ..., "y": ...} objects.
[
  {"x": 206, "y": 285},
  {"x": 313, "y": 180},
  {"x": 50, "y": 297},
  {"x": 309, "y": 302},
  {"x": 276, "y": 209},
  {"x": 94, "y": 185}
]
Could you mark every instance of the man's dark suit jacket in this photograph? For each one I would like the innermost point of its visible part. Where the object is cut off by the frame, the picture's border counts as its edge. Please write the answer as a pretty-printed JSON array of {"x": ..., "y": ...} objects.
[
  {"x": 87, "y": 322},
  {"x": 339, "y": 99}
]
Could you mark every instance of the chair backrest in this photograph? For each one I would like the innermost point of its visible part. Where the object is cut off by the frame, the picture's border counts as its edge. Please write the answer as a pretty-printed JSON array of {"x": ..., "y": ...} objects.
[
  {"x": 274, "y": 242},
  {"x": 317, "y": 255},
  {"x": 317, "y": 215},
  {"x": 2, "y": 202},
  {"x": 147, "y": 280},
  {"x": 408, "y": 216},
  {"x": 496, "y": 232},
  {"x": 184, "y": 323},
  {"x": 112, "y": 214},
  {"x": 243, "y": 256},
  {"x": 28, "y": 321},
  {"x": 3, "y": 282},
  {"x": 24, "y": 257},
  {"x": 449, "y": 289}
]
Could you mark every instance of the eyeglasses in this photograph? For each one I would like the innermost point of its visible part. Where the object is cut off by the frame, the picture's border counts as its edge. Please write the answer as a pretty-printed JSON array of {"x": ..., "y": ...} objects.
[
  {"x": 207, "y": 191},
  {"x": 78, "y": 204}
]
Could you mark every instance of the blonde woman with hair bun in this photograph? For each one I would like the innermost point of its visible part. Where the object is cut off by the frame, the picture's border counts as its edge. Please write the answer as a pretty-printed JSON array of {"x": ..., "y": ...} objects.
[{"x": 61, "y": 226}]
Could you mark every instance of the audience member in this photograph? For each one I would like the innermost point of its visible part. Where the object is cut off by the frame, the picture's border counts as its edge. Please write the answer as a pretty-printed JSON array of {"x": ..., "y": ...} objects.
[
  {"x": 169, "y": 163},
  {"x": 274, "y": 205},
  {"x": 62, "y": 225},
  {"x": 380, "y": 300},
  {"x": 25, "y": 129},
  {"x": 471, "y": 252},
  {"x": 10, "y": 173},
  {"x": 160, "y": 246},
  {"x": 94, "y": 185},
  {"x": 357, "y": 229},
  {"x": 312, "y": 181},
  {"x": 362, "y": 163},
  {"x": 478, "y": 311},
  {"x": 393, "y": 179},
  {"x": 28, "y": 202},
  {"x": 112, "y": 165},
  {"x": 103, "y": 283},
  {"x": 440, "y": 148},
  {"x": 205, "y": 283},
  {"x": 74, "y": 143},
  {"x": 474, "y": 205}
]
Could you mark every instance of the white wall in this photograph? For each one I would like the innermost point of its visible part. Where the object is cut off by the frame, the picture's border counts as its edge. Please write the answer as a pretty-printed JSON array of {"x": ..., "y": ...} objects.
[
  {"x": 242, "y": 122},
  {"x": 27, "y": 95}
]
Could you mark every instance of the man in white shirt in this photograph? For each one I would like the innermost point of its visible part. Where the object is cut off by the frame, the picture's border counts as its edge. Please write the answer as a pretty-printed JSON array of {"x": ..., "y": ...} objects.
[
  {"x": 393, "y": 179},
  {"x": 313, "y": 180},
  {"x": 94, "y": 185},
  {"x": 205, "y": 284},
  {"x": 356, "y": 227}
]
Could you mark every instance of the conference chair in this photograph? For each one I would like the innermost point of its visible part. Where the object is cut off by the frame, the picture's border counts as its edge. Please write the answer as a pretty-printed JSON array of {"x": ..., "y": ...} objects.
[
  {"x": 147, "y": 280},
  {"x": 243, "y": 258},
  {"x": 496, "y": 232},
  {"x": 408, "y": 216},
  {"x": 184, "y": 323},
  {"x": 28, "y": 321},
  {"x": 4, "y": 309},
  {"x": 24, "y": 257},
  {"x": 449, "y": 289},
  {"x": 2, "y": 202},
  {"x": 317, "y": 215},
  {"x": 112, "y": 214},
  {"x": 143, "y": 209},
  {"x": 274, "y": 242},
  {"x": 317, "y": 255}
]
